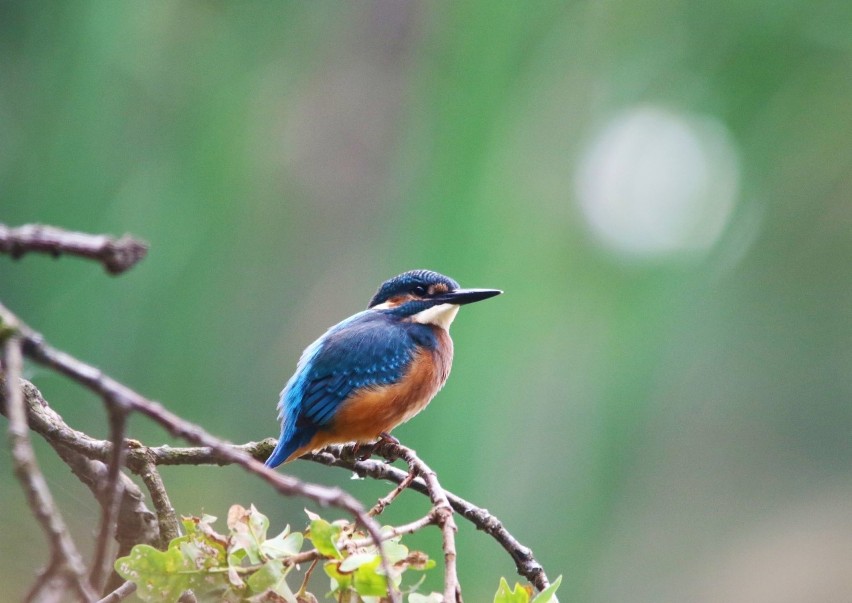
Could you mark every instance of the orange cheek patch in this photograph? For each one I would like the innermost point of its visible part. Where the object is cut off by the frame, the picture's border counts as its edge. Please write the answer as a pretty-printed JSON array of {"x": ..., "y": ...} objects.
[{"x": 398, "y": 300}]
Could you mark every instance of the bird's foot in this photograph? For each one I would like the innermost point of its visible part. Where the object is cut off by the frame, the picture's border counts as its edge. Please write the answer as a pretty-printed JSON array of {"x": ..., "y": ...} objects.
[
  {"x": 386, "y": 437},
  {"x": 363, "y": 451},
  {"x": 362, "y": 455}
]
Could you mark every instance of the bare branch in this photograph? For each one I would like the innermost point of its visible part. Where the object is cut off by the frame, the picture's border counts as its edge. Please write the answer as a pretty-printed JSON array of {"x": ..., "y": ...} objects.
[
  {"x": 102, "y": 563},
  {"x": 47, "y": 583},
  {"x": 383, "y": 503},
  {"x": 116, "y": 255},
  {"x": 46, "y": 422},
  {"x": 166, "y": 516},
  {"x": 442, "y": 511},
  {"x": 387, "y": 534},
  {"x": 83, "y": 455},
  {"x": 409, "y": 528},
  {"x": 120, "y": 593},
  {"x": 31, "y": 478},
  {"x": 117, "y": 394},
  {"x": 525, "y": 562},
  {"x": 304, "y": 587},
  {"x": 125, "y": 399}
]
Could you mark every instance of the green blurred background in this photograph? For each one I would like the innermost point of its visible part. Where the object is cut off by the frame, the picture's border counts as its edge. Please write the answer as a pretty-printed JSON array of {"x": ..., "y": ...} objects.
[{"x": 660, "y": 403}]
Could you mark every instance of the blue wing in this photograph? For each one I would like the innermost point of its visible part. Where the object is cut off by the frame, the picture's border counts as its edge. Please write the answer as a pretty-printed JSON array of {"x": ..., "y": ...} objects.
[{"x": 368, "y": 349}]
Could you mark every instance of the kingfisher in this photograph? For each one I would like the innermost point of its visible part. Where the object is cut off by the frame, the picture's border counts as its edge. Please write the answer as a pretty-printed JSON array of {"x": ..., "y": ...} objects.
[{"x": 375, "y": 369}]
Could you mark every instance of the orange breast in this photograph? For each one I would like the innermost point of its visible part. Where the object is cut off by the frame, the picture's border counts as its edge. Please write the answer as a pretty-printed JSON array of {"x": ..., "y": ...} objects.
[{"x": 374, "y": 410}]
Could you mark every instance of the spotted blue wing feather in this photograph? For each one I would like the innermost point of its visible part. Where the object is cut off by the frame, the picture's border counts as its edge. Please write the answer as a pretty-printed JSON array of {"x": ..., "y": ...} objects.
[{"x": 366, "y": 350}]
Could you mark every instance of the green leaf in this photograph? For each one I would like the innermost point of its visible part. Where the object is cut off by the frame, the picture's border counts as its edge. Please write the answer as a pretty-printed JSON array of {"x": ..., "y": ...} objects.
[
  {"x": 202, "y": 540},
  {"x": 154, "y": 572},
  {"x": 192, "y": 524},
  {"x": 412, "y": 588},
  {"x": 395, "y": 551},
  {"x": 266, "y": 577},
  {"x": 248, "y": 530},
  {"x": 235, "y": 559},
  {"x": 324, "y": 536},
  {"x": 271, "y": 579},
  {"x": 359, "y": 574},
  {"x": 283, "y": 545},
  {"x": 353, "y": 562},
  {"x": 200, "y": 552},
  {"x": 548, "y": 595},
  {"x": 430, "y": 598},
  {"x": 162, "y": 576},
  {"x": 339, "y": 581},
  {"x": 505, "y": 595},
  {"x": 203, "y": 526},
  {"x": 367, "y": 582}
]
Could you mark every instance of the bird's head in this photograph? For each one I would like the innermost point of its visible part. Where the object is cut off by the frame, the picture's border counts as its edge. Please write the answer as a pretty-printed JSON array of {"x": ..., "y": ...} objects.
[{"x": 426, "y": 297}]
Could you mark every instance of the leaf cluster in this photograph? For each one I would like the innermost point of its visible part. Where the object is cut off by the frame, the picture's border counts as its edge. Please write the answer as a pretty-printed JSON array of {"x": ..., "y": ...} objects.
[
  {"x": 246, "y": 566},
  {"x": 523, "y": 593}
]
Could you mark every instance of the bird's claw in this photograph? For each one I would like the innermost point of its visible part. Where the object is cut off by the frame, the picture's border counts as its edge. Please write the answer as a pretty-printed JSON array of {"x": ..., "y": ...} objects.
[
  {"x": 386, "y": 437},
  {"x": 362, "y": 451},
  {"x": 366, "y": 453}
]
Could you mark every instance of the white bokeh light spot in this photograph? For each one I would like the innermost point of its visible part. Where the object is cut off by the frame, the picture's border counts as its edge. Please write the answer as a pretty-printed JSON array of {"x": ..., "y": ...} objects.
[{"x": 655, "y": 182}]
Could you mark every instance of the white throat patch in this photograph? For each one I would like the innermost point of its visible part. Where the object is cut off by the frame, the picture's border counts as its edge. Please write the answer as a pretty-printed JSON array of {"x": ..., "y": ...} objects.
[{"x": 440, "y": 316}]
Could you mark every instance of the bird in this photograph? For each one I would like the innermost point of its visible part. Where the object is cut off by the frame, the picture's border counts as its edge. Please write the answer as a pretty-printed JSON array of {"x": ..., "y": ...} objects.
[{"x": 374, "y": 370}]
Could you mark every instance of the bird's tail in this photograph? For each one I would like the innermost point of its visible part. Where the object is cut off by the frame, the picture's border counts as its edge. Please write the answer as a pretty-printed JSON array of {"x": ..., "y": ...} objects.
[
  {"x": 289, "y": 443},
  {"x": 283, "y": 449}
]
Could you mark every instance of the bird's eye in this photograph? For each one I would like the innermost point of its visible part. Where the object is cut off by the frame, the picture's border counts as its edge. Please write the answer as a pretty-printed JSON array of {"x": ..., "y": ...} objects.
[{"x": 419, "y": 290}]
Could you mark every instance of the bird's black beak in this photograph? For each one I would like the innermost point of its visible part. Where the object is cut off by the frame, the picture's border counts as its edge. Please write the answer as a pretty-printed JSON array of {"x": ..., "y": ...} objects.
[{"x": 460, "y": 297}]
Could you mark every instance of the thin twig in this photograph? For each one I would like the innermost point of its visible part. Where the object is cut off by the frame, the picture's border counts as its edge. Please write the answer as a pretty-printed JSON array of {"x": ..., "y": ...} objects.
[
  {"x": 387, "y": 534},
  {"x": 393, "y": 532},
  {"x": 443, "y": 513},
  {"x": 166, "y": 516},
  {"x": 307, "y": 577},
  {"x": 83, "y": 454},
  {"x": 102, "y": 563},
  {"x": 120, "y": 593},
  {"x": 116, "y": 255},
  {"x": 383, "y": 503},
  {"x": 28, "y": 473},
  {"x": 44, "y": 578},
  {"x": 341, "y": 456},
  {"x": 525, "y": 562},
  {"x": 90, "y": 377}
]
